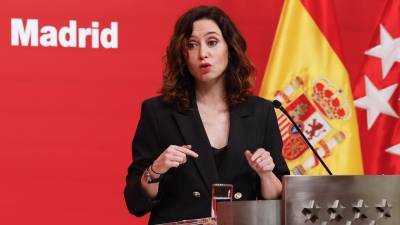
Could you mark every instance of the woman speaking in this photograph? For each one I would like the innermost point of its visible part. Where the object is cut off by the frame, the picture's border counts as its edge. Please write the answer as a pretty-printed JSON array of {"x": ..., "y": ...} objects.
[{"x": 205, "y": 127}]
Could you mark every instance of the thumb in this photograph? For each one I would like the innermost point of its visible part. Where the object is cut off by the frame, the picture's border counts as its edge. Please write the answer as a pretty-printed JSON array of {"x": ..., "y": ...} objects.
[{"x": 248, "y": 155}]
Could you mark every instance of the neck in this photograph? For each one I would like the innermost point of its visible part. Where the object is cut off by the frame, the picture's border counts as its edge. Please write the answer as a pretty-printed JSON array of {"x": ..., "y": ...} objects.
[{"x": 211, "y": 93}]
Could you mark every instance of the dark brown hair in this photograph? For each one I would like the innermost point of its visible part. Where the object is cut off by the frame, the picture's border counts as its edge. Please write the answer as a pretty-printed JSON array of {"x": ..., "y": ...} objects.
[{"x": 178, "y": 84}]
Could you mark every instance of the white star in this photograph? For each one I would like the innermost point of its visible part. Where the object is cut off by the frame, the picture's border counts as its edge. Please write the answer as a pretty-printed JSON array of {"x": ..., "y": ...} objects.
[
  {"x": 376, "y": 101},
  {"x": 395, "y": 149},
  {"x": 388, "y": 50}
]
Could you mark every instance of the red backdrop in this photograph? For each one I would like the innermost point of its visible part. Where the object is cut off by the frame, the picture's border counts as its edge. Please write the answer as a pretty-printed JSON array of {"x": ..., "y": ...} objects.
[{"x": 67, "y": 115}]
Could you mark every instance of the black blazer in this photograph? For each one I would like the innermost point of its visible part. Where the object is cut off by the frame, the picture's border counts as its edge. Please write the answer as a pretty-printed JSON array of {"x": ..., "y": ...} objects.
[{"x": 253, "y": 125}]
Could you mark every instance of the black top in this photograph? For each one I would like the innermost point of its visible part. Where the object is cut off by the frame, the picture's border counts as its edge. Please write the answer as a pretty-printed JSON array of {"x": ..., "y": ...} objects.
[{"x": 219, "y": 155}]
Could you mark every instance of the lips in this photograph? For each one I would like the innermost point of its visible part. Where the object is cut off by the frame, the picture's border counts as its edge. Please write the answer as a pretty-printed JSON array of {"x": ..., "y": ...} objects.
[{"x": 205, "y": 67}]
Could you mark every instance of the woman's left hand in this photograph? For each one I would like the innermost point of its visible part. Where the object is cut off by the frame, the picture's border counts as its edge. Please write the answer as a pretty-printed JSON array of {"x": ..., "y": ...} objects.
[{"x": 261, "y": 161}]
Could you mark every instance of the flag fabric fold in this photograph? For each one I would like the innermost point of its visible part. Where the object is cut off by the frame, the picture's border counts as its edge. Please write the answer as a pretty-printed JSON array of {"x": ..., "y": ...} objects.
[
  {"x": 377, "y": 93},
  {"x": 306, "y": 74}
]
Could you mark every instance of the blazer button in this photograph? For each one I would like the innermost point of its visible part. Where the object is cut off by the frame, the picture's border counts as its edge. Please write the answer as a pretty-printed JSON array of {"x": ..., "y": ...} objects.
[
  {"x": 196, "y": 194},
  {"x": 238, "y": 195}
]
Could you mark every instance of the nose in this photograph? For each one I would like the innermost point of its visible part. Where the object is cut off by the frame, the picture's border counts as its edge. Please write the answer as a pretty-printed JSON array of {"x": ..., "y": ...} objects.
[{"x": 204, "y": 51}]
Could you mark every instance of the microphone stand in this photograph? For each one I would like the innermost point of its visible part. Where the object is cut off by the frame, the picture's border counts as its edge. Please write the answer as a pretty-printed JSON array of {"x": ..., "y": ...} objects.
[{"x": 278, "y": 104}]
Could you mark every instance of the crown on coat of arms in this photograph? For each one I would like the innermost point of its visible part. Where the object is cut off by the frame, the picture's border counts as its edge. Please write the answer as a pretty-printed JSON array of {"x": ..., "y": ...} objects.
[{"x": 329, "y": 100}]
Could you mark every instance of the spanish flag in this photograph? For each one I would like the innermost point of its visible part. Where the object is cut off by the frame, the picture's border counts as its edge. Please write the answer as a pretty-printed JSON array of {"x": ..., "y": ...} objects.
[{"x": 306, "y": 74}]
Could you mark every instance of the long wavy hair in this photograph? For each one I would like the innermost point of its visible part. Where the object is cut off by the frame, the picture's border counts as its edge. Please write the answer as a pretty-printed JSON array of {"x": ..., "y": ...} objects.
[{"x": 178, "y": 84}]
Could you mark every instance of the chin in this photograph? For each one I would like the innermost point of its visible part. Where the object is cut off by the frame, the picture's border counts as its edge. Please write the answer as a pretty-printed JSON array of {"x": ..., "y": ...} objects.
[{"x": 207, "y": 78}]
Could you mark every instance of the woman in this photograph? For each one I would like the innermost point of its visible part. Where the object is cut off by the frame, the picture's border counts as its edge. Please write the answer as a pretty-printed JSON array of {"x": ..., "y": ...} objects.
[{"x": 205, "y": 127}]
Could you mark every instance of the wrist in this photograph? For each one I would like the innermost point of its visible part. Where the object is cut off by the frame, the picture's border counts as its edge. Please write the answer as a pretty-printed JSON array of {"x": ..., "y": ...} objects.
[
  {"x": 154, "y": 174},
  {"x": 154, "y": 171},
  {"x": 266, "y": 175},
  {"x": 156, "y": 168},
  {"x": 151, "y": 177}
]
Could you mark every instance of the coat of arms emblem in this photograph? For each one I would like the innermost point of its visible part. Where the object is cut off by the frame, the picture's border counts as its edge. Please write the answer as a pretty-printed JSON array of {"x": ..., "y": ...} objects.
[{"x": 313, "y": 108}]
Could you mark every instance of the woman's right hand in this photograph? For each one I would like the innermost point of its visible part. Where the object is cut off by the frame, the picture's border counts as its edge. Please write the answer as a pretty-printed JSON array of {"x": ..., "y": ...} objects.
[{"x": 173, "y": 156}]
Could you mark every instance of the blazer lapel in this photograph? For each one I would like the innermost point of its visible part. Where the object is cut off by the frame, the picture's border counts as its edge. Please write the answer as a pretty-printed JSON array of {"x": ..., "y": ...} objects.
[
  {"x": 193, "y": 132},
  {"x": 242, "y": 136}
]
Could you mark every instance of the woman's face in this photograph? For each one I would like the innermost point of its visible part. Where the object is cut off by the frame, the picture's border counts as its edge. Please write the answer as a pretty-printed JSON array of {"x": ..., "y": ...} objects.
[{"x": 207, "y": 52}]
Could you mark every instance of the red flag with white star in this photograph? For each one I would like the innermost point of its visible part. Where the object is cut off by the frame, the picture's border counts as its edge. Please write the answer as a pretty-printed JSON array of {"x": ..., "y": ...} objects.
[{"x": 377, "y": 93}]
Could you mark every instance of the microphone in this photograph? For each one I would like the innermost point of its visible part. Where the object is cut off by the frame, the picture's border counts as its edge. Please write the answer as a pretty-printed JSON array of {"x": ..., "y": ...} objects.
[{"x": 277, "y": 104}]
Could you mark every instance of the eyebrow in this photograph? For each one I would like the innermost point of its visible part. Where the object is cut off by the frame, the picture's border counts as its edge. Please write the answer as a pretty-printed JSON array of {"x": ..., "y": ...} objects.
[{"x": 208, "y": 33}]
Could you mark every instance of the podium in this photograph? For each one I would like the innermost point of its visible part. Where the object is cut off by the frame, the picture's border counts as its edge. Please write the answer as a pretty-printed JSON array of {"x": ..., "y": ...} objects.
[
  {"x": 318, "y": 200},
  {"x": 263, "y": 212},
  {"x": 347, "y": 200}
]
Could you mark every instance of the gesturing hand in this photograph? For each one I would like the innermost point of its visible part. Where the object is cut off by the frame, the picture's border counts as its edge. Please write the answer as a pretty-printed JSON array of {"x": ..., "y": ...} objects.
[
  {"x": 173, "y": 156},
  {"x": 261, "y": 161}
]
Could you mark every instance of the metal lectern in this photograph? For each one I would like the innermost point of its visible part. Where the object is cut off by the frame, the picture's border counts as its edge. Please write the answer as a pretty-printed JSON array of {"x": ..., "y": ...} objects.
[
  {"x": 347, "y": 200},
  {"x": 318, "y": 200}
]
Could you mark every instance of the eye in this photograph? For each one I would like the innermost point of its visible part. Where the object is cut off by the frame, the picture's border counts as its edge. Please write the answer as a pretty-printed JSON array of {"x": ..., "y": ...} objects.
[
  {"x": 192, "y": 44},
  {"x": 212, "y": 43}
]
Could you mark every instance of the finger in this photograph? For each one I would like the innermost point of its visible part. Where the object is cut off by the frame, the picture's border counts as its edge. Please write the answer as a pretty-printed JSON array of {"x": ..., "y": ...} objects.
[
  {"x": 262, "y": 154},
  {"x": 174, "y": 155},
  {"x": 172, "y": 164},
  {"x": 258, "y": 166},
  {"x": 263, "y": 160},
  {"x": 187, "y": 151},
  {"x": 248, "y": 155},
  {"x": 178, "y": 159},
  {"x": 172, "y": 148},
  {"x": 257, "y": 154},
  {"x": 187, "y": 146},
  {"x": 260, "y": 159},
  {"x": 263, "y": 164},
  {"x": 265, "y": 157},
  {"x": 267, "y": 161},
  {"x": 178, "y": 153}
]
